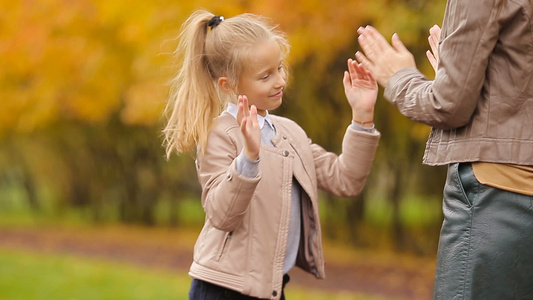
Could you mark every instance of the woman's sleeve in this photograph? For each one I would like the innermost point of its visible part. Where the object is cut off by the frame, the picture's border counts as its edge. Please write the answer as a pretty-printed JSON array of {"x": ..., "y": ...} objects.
[{"x": 469, "y": 35}]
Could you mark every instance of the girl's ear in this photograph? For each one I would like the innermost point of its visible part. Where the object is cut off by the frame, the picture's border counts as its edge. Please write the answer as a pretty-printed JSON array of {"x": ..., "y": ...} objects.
[{"x": 224, "y": 85}]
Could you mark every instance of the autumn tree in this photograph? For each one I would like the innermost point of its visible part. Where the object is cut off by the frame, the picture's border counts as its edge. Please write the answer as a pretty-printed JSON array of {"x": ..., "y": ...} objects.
[{"x": 83, "y": 85}]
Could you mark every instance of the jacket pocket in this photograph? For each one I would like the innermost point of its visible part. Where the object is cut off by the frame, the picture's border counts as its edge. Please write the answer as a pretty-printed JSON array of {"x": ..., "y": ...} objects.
[{"x": 224, "y": 245}]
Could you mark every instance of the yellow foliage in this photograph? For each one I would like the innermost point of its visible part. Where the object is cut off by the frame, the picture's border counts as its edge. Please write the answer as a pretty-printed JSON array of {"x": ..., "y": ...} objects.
[
  {"x": 144, "y": 103},
  {"x": 88, "y": 59}
]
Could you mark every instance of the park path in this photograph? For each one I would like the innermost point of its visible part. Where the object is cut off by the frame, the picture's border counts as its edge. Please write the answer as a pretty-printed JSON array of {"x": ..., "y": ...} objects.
[{"x": 381, "y": 275}]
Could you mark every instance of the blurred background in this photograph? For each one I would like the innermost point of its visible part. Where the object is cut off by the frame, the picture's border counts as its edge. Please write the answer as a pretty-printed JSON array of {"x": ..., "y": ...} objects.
[{"x": 83, "y": 86}]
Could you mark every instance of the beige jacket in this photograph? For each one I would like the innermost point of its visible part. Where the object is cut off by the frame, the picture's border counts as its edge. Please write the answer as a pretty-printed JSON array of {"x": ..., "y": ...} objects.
[
  {"x": 243, "y": 242},
  {"x": 480, "y": 103}
]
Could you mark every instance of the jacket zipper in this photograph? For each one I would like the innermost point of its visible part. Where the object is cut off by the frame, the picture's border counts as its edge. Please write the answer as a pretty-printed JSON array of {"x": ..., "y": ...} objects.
[
  {"x": 315, "y": 270},
  {"x": 224, "y": 244}
]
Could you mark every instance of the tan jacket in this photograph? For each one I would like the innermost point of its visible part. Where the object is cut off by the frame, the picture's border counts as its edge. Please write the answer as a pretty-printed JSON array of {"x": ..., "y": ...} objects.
[
  {"x": 480, "y": 103},
  {"x": 243, "y": 242}
]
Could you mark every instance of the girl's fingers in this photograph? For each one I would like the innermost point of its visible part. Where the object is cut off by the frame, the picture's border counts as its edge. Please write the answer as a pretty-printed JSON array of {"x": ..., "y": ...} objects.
[
  {"x": 346, "y": 80},
  {"x": 244, "y": 100},
  {"x": 352, "y": 72},
  {"x": 361, "y": 71},
  {"x": 253, "y": 117},
  {"x": 351, "y": 67},
  {"x": 246, "y": 110},
  {"x": 361, "y": 58},
  {"x": 357, "y": 71},
  {"x": 253, "y": 112},
  {"x": 240, "y": 110}
]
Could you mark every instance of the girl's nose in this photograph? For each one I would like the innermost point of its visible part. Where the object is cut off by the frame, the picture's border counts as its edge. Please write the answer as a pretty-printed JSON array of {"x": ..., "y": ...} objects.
[{"x": 282, "y": 79}]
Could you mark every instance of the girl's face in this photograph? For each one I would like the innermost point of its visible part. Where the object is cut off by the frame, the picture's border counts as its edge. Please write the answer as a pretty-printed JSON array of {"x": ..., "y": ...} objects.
[{"x": 263, "y": 77}]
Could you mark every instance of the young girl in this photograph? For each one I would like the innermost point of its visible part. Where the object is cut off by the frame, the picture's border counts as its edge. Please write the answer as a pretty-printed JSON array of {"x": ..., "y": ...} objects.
[{"x": 259, "y": 172}]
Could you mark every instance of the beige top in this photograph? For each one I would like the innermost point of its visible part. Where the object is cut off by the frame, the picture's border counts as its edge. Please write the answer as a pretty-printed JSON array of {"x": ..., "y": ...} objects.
[{"x": 514, "y": 178}]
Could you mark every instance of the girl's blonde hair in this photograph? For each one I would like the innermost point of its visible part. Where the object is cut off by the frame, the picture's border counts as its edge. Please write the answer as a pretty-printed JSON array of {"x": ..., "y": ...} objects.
[{"x": 208, "y": 53}]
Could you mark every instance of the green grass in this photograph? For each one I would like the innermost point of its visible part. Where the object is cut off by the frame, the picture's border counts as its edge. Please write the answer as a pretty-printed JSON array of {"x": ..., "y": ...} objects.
[
  {"x": 31, "y": 276},
  {"x": 14, "y": 210}
]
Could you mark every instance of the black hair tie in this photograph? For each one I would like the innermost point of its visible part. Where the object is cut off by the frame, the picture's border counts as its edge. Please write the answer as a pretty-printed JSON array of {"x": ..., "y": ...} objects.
[{"x": 215, "y": 21}]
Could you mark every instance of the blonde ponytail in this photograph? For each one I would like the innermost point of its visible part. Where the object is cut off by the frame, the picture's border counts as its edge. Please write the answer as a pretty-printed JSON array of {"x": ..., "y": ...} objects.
[{"x": 193, "y": 101}]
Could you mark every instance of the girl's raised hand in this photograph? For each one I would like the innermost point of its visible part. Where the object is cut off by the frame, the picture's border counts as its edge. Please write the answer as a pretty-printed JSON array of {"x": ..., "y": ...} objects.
[
  {"x": 247, "y": 118},
  {"x": 361, "y": 91}
]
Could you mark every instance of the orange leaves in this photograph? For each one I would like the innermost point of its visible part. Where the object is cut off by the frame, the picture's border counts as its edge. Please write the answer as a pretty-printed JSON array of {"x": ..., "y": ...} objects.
[
  {"x": 85, "y": 60},
  {"x": 315, "y": 28},
  {"x": 88, "y": 59},
  {"x": 70, "y": 60},
  {"x": 144, "y": 103}
]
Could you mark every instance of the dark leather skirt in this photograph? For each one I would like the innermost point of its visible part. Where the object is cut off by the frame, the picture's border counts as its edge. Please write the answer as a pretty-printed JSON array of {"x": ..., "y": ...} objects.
[{"x": 486, "y": 241}]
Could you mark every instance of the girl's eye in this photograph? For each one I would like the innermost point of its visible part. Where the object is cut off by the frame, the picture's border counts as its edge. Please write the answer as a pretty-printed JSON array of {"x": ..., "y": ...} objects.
[{"x": 265, "y": 77}]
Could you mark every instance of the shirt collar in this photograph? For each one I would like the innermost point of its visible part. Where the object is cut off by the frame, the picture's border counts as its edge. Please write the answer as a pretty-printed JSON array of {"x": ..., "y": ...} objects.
[{"x": 232, "y": 110}]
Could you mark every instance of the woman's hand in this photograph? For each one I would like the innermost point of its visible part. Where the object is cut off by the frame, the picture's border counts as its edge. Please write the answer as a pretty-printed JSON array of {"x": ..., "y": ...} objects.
[
  {"x": 247, "y": 119},
  {"x": 380, "y": 58},
  {"x": 361, "y": 91},
  {"x": 434, "y": 39}
]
